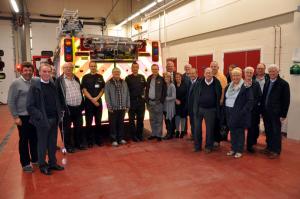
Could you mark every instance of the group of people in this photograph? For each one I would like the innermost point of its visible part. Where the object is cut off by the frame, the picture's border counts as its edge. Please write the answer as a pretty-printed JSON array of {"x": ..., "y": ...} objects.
[{"x": 41, "y": 105}]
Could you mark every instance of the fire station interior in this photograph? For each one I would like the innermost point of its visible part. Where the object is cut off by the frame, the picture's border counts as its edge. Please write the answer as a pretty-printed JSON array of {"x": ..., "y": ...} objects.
[{"x": 116, "y": 33}]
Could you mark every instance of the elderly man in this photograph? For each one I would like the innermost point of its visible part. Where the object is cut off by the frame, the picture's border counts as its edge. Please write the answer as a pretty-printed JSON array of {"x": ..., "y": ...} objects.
[
  {"x": 17, "y": 96},
  {"x": 261, "y": 77},
  {"x": 155, "y": 96},
  {"x": 170, "y": 68},
  {"x": 206, "y": 105},
  {"x": 118, "y": 102},
  {"x": 275, "y": 102},
  {"x": 136, "y": 84},
  {"x": 190, "y": 97},
  {"x": 45, "y": 111},
  {"x": 186, "y": 75},
  {"x": 223, "y": 80},
  {"x": 71, "y": 99},
  {"x": 253, "y": 131},
  {"x": 93, "y": 88}
]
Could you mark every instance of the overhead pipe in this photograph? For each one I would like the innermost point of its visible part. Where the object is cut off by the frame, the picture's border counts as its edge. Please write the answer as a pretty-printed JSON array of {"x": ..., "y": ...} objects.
[
  {"x": 275, "y": 43},
  {"x": 280, "y": 47}
]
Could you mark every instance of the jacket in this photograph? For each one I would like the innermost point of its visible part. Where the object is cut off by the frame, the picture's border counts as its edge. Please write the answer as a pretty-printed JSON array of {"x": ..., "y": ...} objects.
[
  {"x": 111, "y": 97},
  {"x": 36, "y": 105},
  {"x": 160, "y": 89}
]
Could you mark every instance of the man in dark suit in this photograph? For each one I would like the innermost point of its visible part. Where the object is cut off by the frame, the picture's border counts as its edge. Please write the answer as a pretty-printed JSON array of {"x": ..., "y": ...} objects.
[
  {"x": 170, "y": 68},
  {"x": 186, "y": 76},
  {"x": 45, "y": 111},
  {"x": 190, "y": 97},
  {"x": 275, "y": 101}
]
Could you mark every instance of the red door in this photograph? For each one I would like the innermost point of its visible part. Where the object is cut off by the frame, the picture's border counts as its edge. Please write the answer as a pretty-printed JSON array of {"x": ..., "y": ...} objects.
[
  {"x": 174, "y": 60},
  {"x": 241, "y": 59},
  {"x": 200, "y": 62}
]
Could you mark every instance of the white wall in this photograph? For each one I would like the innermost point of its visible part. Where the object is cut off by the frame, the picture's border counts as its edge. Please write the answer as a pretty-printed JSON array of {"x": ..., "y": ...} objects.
[{"x": 6, "y": 44}]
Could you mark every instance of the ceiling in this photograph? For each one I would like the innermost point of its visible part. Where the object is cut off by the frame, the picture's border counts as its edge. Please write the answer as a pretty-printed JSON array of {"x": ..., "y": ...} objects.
[{"x": 94, "y": 8}]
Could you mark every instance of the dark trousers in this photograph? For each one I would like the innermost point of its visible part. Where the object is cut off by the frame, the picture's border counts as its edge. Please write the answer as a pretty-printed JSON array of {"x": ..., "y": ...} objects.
[
  {"x": 116, "y": 123},
  {"x": 170, "y": 125},
  {"x": 138, "y": 113},
  {"x": 237, "y": 138},
  {"x": 192, "y": 124},
  {"x": 47, "y": 138},
  {"x": 253, "y": 131},
  {"x": 209, "y": 115},
  {"x": 93, "y": 134},
  {"x": 73, "y": 137},
  {"x": 27, "y": 142},
  {"x": 273, "y": 131}
]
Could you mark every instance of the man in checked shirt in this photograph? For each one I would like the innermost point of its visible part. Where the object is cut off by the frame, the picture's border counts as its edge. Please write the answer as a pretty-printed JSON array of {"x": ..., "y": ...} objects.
[{"x": 71, "y": 98}]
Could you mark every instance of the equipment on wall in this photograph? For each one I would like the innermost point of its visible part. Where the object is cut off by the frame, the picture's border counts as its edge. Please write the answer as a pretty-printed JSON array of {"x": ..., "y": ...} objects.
[
  {"x": 2, "y": 65},
  {"x": 295, "y": 68}
]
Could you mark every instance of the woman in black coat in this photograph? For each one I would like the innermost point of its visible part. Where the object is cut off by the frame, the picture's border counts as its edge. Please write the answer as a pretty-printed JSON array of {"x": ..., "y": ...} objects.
[
  {"x": 238, "y": 105},
  {"x": 181, "y": 112}
]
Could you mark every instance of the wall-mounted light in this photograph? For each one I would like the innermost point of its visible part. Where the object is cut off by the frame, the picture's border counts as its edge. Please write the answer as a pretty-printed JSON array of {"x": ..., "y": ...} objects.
[
  {"x": 138, "y": 13},
  {"x": 14, "y": 5}
]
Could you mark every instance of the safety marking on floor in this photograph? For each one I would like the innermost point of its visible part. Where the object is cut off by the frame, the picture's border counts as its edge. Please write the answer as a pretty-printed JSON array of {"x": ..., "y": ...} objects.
[{"x": 6, "y": 138}]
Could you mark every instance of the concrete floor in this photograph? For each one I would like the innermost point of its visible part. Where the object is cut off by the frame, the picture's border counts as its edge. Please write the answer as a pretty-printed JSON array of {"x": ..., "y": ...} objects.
[{"x": 167, "y": 169}]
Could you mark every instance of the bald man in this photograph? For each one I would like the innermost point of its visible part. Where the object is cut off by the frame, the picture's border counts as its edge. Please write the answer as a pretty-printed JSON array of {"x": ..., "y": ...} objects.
[
  {"x": 71, "y": 99},
  {"x": 171, "y": 69}
]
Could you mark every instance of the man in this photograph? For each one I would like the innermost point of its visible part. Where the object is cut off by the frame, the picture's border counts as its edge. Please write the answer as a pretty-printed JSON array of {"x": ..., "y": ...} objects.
[
  {"x": 53, "y": 73},
  {"x": 186, "y": 76},
  {"x": 170, "y": 68},
  {"x": 118, "y": 102},
  {"x": 261, "y": 77},
  {"x": 253, "y": 131},
  {"x": 93, "y": 88},
  {"x": 44, "y": 109},
  {"x": 190, "y": 98},
  {"x": 17, "y": 96},
  {"x": 71, "y": 99},
  {"x": 223, "y": 80},
  {"x": 206, "y": 105},
  {"x": 275, "y": 101},
  {"x": 136, "y": 84},
  {"x": 155, "y": 96}
]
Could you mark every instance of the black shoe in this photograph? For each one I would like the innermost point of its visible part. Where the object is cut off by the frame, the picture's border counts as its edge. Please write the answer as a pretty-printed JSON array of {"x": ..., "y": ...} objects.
[
  {"x": 177, "y": 134},
  {"x": 141, "y": 139},
  {"x": 197, "y": 150},
  {"x": 159, "y": 139},
  {"x": 99, "y": 144},
  {"x": 135, "y": 139},
  {"x": 251, "y": 150},
  {"x": 44, "y": 170},
  {"x": 71, "y": 150},
  {"x": 90, "y": 145},
  {"x": 56, "y": 167},
  {"x": 182, "y": 134},
  {"x": 273, "y": 155},
  {"x": 151, "y": 137},
  {"x": 82, "y": 148},
  {"x": 168, "y": 137}
]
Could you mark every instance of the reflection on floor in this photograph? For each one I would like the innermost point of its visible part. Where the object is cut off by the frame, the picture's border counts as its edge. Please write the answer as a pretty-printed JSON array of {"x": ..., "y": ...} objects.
[{"x": 151, "y": 169}]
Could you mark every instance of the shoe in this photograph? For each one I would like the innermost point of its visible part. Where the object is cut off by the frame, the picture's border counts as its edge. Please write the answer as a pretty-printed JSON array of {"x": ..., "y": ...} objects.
[
  {"x": 273, "y": 155},
  {"x": 151, "y": 137},
  {"x": 115, "y": 144},
  {"x": 99, "y": 144},
  {"x": 182, "y": 134},
  {"x": 206, "y": 150},
  {"x": 56, "y": 167},
  {"x": 265, "y": 151},
  {"x": 177, "y": 134},
  {"x": 90, "y": 145},
  {"x": 57, "y": 148},
  {"x": 216, "y": 145},
  {"x": 82, "y": 148},
  {"x": 35, "y": 163},
  {"x": 71, "y": 150},
  {"x": 168, "y": 137},
  {"x": 122, "y": 142},
  {"x": 230, "y": 153},
  {"x": 141, "y": 139},
  {"x": 28, "y": 169},
  {"x": 238, "y": 155},
  {"x": 135, "y": 139},
  {"x": 197, "y": 150},
  {"x": 251, "y": 150},
  {"x": 44, "y": 170},
  {"x": 159, "y": 139}
]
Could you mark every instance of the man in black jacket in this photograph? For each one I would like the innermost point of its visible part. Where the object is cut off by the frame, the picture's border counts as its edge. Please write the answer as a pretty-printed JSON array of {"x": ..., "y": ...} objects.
[
  {"x": 71, "y": 99},
  {"x": 155, "y": 96},
  {"x": 206, "y": 105},
  {"x": 276, "y": 101},
  {"x": 44, "y": 109}
]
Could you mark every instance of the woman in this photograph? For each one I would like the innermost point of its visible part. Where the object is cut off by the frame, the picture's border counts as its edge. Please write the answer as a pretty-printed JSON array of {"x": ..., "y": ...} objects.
[
  {"x": 180, "y": 106},
  {"x": 169, "y": 106},
  {"x": 238, "y": 106}
]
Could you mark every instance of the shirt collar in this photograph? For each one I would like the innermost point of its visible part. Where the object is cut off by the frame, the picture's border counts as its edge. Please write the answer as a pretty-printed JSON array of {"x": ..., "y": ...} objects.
[
  {"x": 25, "y": 79},
  {"x": 273, "y": 80},
  {"x": 209, "y": 83},
  {"x": 45, "y": 82},
  {"x": 65, "y": 77}
]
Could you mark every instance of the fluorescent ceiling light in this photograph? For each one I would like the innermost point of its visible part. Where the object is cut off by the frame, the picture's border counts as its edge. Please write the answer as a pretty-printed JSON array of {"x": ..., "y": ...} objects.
[
  {"x": 14, "y": 5},
  {"x": 149, "y": 6}
]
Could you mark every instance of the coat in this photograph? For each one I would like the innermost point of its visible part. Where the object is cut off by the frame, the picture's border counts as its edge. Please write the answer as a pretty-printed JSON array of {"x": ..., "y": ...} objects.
[
  {"x": 169, "y": 104},
  {"x": 111, "y": 96},
  {"x": 36, "y": 105},
  {"x": 279, "y": 98},
  {"x": 181, "y": 95},
  {"x": 160, "y": 89},
  {"x": 240, "y": 115}
]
